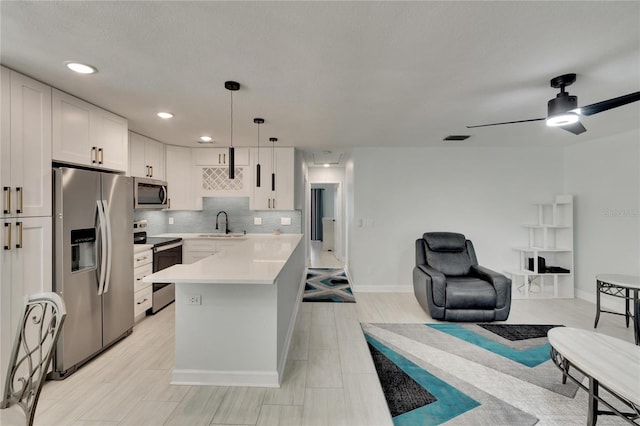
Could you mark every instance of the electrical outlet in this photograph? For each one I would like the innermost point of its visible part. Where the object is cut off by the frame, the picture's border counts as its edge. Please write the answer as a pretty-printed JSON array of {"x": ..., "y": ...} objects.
[
  {"x": 193, "y": 299},
  {"x": 257, "y": 221},
  {"x": 285, "y": 221},
  {"x": 170, "y": 221}
]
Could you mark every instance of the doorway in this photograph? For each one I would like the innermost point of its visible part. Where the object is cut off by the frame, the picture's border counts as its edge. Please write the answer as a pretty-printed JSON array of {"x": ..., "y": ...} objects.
[{"x": 325, "y": 231}]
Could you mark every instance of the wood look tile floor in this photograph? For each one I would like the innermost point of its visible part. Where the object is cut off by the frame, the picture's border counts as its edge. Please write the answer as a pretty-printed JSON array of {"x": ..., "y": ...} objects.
[{"x": 329, "y": 380}]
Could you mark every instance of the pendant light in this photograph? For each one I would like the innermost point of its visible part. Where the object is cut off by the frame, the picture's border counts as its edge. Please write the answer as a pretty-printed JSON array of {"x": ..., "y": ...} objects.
[
  {"x": 258, "y": 121},
  {"x": 273, "y": 163},
  {"x": 232, "y": 86}
]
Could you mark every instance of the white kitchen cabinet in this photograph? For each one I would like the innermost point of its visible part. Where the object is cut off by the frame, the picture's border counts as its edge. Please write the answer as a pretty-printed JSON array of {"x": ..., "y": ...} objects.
[
  {"x": 142, "y": 292},
  {"x": 265, "y": 197},
  {"x": 220, "y": 156},
  {"x": 212, "y": 172},
  {"x": 86, "y": 135},
  {"x": 25, "y": 147},
  {"x": 179, "y": 173},
  {"x": 25, "y": 268},
  {"x": 146, "y": 157},
  {"x": 199, "y": 248}
]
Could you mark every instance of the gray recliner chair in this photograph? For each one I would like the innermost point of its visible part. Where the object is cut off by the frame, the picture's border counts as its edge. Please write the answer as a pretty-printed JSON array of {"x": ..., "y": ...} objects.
[{"x": 451, "y": 286}]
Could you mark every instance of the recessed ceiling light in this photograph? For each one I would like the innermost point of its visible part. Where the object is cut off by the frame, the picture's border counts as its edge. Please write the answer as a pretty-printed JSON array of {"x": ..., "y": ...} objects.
[
  {"x": 206, "y": 138},
  {"x": 326, "y": 165},
  {"x": 165, "y": 115},
  {"x": 81, "y": 68}
]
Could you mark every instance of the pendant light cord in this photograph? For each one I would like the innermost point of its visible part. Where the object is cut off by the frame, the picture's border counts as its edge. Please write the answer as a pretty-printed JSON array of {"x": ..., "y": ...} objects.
[{"x": 231, "y": 92}]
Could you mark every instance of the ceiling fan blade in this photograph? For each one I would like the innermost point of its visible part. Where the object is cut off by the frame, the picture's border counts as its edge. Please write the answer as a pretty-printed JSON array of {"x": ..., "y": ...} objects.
[
  {"x": 575, "y": 128},
  {"x": 609, "y": 104},
  {"x": 506, "y": 122}
]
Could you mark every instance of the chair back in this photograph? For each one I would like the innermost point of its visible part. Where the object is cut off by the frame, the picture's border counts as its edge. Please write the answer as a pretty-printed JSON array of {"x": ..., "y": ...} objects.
[
  {"x": 449, "y": 252},
  {"x": 33, "y": 348}
]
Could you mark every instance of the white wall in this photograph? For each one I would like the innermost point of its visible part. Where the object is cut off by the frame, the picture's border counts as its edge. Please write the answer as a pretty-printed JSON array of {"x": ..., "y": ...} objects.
[
  {"x": 604, "y": 175},
  {"x": 484, "y": 193}
]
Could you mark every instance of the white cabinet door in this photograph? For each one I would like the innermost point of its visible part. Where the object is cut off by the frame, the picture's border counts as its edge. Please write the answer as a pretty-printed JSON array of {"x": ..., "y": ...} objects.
[
  {"x": 25, "y": 150},
  {"x": 220, "y": 156},
  {"x": 154, "y": 153},
  {"x": 72, "y": 130},
  {"x": 86, "y": 135},
  {"x": 146, "y": 157},
  {"x": 182, "y": 194},
  {"x": 137, "y": 161},
  {"x": 109, "y": 133},
  {"x": 266, "y": 197},
  {"x": 24, "y": 270}
]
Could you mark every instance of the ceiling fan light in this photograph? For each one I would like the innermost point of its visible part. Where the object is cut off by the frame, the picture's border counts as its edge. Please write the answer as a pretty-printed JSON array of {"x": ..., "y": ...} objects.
[{"x": 562, "y": 119}]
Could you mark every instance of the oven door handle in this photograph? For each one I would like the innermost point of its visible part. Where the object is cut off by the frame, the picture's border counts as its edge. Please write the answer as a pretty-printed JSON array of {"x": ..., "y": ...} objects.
[{"x": 167, "y": 247}]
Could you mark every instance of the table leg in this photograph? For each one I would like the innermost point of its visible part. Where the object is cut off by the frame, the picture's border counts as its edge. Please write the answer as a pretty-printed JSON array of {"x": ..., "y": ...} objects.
[
  {"x": 592, "y": 417},
  {"x": 626, "y": 306},
  {"x": 598, "y": 291}
]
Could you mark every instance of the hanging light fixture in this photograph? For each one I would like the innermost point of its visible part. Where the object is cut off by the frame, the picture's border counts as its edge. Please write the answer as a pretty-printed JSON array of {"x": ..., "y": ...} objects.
[
  {"x": 273, "y": 163},
  {"x": 232, "y": 86},
  {"x": 258, "y": 121}
]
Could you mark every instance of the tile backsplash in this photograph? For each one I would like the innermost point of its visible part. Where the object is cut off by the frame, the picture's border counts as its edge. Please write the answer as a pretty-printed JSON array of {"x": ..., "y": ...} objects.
[{"x": 237, "y": 208}]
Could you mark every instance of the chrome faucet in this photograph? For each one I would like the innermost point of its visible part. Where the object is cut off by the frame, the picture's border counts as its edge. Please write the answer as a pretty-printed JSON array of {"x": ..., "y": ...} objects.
[{"x": 226, "y": 221}]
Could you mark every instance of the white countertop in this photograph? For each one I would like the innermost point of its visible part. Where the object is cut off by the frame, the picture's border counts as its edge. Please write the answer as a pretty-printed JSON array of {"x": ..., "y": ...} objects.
[{"x": 257, "y": 259}]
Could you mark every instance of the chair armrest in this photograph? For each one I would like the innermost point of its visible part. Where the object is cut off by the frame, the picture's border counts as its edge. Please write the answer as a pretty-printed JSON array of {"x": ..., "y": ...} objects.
[
  {"x": 500, "y": 282},
  {"x": 436, "y": 283}
]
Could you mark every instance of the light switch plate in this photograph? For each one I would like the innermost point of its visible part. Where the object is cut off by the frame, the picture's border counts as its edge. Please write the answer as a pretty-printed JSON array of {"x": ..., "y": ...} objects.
[
  {"x": 285, "y": 221},
  {"x": 170, "y": 221},
  {"x": 257, "y": 221}
]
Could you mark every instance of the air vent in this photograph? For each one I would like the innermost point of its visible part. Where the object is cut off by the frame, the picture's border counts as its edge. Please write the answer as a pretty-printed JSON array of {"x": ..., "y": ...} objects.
[{"x": 456, "y": 137}]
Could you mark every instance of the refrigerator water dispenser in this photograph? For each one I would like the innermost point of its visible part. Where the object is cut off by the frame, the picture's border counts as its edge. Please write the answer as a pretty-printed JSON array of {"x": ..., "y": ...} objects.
[{"x": 83, "y": 249}]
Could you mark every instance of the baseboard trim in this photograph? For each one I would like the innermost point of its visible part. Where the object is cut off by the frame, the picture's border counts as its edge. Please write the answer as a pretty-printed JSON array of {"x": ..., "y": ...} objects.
[
  {"x": 225, "y": 378},
  {"x": 609, "y": 303},
  {"x": 382, "y": 289}
]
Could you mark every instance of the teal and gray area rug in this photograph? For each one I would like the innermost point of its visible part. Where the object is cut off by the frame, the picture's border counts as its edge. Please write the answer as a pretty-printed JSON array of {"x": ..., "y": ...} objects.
[
  {"x": 472, "y": 374},
  {"x": 327, "y": 285}
]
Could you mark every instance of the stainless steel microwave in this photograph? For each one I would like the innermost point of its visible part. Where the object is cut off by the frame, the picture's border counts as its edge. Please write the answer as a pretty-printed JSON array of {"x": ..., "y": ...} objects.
[{"x": 149, "y": 193}]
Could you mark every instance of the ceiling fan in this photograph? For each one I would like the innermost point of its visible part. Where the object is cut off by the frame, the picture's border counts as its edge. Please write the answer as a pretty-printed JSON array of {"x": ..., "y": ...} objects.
[{"x": 563, "y": 110}]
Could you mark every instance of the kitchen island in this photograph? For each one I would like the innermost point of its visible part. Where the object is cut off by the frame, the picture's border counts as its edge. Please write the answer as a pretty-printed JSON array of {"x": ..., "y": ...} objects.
[{"x": 235, "y": 311}]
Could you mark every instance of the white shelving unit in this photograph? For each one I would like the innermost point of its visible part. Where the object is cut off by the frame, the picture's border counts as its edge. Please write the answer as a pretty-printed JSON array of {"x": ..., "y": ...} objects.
[{"x": 552, "y": 239}]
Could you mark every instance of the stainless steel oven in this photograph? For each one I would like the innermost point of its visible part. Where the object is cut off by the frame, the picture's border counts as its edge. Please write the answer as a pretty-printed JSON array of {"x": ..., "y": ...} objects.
[
  {"x": 167, "y": 251},
  {"x": 164, "y": 256}
]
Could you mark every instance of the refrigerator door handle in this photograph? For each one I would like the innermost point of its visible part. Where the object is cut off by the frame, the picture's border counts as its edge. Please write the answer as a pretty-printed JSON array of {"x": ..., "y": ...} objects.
[
  {"x": 103, "y": 255},
  {"x": 109, "y": 246}
]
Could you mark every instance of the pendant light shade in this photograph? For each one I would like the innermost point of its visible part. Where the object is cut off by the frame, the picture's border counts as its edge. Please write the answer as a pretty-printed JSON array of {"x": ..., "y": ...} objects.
[
  {"x": 273, "y": 163},
  {"x": 232, "y": 86},
  {"x": 258, "y": 121}
]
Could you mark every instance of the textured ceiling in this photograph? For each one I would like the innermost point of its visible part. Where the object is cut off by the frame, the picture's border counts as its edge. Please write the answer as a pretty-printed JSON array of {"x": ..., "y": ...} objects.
[{"x": 335, "y": 75}]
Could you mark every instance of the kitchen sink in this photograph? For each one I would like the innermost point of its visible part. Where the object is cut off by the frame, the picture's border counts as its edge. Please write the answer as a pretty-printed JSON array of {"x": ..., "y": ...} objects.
[{"x": 231, "y": 235}]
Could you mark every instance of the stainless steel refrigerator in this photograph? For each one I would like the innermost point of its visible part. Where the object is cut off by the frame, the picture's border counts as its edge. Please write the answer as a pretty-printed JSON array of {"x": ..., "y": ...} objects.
[{"x": 93, "y": 263}]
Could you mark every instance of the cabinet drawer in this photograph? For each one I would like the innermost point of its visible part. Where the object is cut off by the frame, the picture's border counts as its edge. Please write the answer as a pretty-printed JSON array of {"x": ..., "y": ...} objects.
[
  {"x": 142, "y": 258},
  {"x": 138, "y": 274},
  {"x": 142, "y": 301}
]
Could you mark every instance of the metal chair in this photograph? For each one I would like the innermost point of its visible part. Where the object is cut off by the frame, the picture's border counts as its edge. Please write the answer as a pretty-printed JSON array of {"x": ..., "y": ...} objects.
[{"x": 30, "y": 358}]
